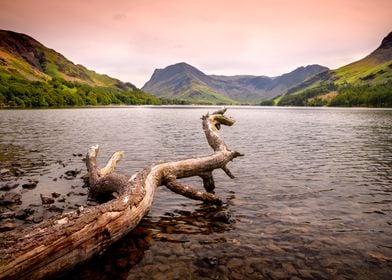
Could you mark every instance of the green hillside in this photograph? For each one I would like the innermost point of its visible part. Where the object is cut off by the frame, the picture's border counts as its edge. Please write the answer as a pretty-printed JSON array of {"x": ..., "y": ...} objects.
[
  {"x": 33, "y": 75},
  {"x": 202, "y": 94},
  {"x": 185, "y": 82},
  {"x": 367, "y": 82}
]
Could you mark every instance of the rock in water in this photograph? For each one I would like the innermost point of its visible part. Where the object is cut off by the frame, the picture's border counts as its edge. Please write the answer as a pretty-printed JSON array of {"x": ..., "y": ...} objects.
[
  {"x": 9, "y": 186},
  {"x": 24, "y": 214},
  {"x": 70, "y": 174},
  {"x": 10, "y": 198},
  {"x": 29, "y": 186},
  {"x": 54, "y": 208},
  {"x": 21, "y": 215},
  {"x": 56, "y": 194},
  {"x": 46, "y": 199},
  {"x": 222, "y": 217}
]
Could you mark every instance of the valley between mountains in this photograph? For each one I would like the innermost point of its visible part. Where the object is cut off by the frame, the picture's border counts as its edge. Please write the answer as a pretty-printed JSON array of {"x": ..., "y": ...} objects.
[{"x": 33, "y": 75}]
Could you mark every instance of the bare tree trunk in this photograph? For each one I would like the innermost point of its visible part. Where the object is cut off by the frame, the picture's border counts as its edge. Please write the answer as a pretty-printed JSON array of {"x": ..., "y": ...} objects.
[{"x": 61, "y": 242}]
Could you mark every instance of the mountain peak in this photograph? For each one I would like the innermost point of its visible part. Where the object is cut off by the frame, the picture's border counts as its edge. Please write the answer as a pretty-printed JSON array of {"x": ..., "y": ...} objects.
[
  {"x": 386, "y": 42},
  {"x": 182, "y": 80},
  {"x": 300, "y": 74},
  {"x": 181, "y": 72},
  {"x": 182, "y": 66},
  {"x": 22, "y": 46},
  {"x": 316, "y": 67},
  {"x": 384, "y": 52},
  {"x": 25, "y": 57}
]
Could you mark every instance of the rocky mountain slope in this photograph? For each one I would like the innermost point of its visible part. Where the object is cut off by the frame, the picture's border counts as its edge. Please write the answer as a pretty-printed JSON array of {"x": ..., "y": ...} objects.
[{"x": 183, "y": 81}]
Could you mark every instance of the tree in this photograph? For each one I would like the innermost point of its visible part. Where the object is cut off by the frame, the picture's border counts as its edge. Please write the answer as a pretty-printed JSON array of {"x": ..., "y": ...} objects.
[{"x": 61, "y": 242}]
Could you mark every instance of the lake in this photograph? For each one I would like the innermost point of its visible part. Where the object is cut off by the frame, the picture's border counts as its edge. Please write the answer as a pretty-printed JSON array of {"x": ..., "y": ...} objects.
[{"x": 312, "y": 197}]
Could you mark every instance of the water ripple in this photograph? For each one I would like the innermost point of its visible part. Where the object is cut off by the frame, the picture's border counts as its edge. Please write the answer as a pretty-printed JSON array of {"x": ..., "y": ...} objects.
[{"x": 311, "y": 198}]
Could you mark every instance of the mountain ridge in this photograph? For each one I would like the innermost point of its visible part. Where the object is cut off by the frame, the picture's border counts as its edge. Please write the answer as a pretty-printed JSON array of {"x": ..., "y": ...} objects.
[
  {"x": 312, "y": 85},
  {"x": 182, "y": 80},
  {"x": 349, "y": 85},
  {"x": 32, "y": 75},
  {"x": 50, "y": 63}
]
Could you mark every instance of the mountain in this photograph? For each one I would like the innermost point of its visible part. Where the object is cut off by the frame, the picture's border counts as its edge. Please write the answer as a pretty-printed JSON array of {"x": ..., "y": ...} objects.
[
  {"x": 374, "y": 68},
  {"x": 29, "y": 70},
  {"x": 183, "y": 81},
  {"x": 336, "y": 87},
  {"x": 23, "y": 56}
]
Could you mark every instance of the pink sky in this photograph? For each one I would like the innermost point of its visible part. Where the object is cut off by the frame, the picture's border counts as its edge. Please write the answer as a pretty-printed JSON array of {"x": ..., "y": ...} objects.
[{"x": 128, "y": 39}]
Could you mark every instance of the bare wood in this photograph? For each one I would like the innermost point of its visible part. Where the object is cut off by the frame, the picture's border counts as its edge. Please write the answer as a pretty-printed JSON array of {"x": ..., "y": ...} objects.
[
  {"x": 109, "y": 168},
  {"x": 61, "y": 242},
  {"x": 220, "y": 112},
  {"x": 228, "y": 172},
  {"x": 189, "y": 192},
  {"x": 208, "y": 181}
]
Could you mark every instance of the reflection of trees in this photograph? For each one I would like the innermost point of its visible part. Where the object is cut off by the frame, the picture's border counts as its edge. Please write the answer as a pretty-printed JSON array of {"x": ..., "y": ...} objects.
[
  {"x": 117, "y": 261},
  {"x": 12, "y": 154}
]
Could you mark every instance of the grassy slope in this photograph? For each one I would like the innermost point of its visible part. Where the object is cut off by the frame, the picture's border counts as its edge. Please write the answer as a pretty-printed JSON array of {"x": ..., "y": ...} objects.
[
  {"x": 203, "y": 94},
  {"x": 374, "y": 70},
  {"x": 367, "y": 71},
  {"x": 185, "y": 82},
  {"x": 24, "y": 57},
  {"x": 34, "y": 75},
  {"x": 187, "y": 86},
  {"x": 11, "y": 65},
  {"x": 59, "y": 67}
]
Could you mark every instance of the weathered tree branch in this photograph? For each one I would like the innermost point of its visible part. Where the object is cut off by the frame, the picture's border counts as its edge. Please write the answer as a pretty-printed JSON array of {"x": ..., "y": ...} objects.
[
  {"x": 109, "y": 168},
  {"x": 61, "y": 242},
  {"x": 228, "y": 172},
  {"x": 104, "y": 184},
  {"x": 189, "y": 192},
  {"x": 208, "y": 181}
]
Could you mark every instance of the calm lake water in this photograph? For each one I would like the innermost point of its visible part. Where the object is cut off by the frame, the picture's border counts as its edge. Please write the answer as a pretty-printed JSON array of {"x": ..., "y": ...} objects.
[{"x": 312, "y": 198}]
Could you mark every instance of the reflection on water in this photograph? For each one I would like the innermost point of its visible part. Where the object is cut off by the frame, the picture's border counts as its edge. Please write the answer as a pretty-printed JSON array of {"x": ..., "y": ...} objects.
[
  {"x": 173, "y": 228},
  {"x": 312, "y": 198}
]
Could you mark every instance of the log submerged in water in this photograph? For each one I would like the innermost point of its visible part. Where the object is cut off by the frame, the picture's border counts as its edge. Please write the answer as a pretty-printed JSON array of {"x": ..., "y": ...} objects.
[{"x": 61, "y": 242}]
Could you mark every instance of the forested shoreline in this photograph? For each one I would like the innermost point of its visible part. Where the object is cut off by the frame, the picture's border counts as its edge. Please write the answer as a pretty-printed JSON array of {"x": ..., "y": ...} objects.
[
  {"x": 58, "y": 92},
  {"x": 379, "y": 95}
]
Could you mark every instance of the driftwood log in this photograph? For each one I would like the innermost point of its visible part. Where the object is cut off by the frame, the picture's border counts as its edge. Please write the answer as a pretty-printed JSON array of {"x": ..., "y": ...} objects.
[{"x": 61, "y": 242}]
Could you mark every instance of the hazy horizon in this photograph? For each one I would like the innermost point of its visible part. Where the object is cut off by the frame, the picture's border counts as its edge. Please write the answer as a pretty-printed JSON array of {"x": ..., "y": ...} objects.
[{"x": 129, "y": 39}]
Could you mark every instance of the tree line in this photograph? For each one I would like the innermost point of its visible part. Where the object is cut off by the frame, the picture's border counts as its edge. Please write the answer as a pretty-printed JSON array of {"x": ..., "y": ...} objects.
[
  {"x": 348, "y": 95},
  {"x": 57, "y": 92}
]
